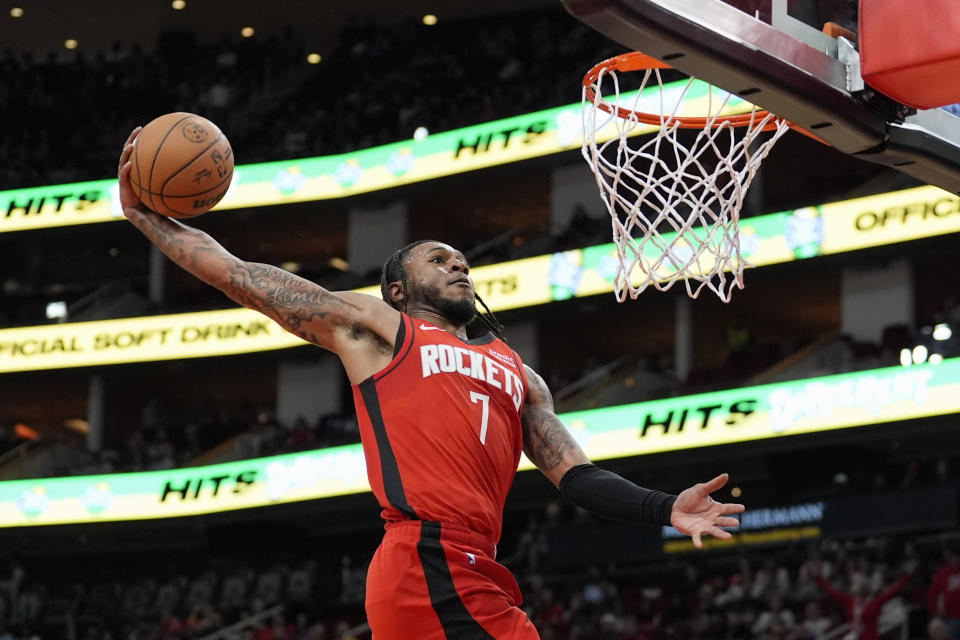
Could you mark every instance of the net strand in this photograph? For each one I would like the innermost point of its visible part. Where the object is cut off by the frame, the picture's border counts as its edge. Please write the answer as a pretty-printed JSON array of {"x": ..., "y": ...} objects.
[{"x": 674, "y": 204}]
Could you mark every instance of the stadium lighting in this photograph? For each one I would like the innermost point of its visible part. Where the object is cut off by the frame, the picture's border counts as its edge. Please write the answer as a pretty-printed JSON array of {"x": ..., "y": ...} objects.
[
  {"x": 57, "y": 310},
  {"x": 24, "y": 432},
  {"x": 314, "y": 58},
  {"x": 942, "y": 332},
  {"x": 429, "y": 19},
  {"x": 920, "y": 354},
  {"x": 339, "y": 263},
  {"x": 70, "y": 43},
  {"x": 906, "y": 358},
  {"x": 16, "y": 12},
  {"x": 178, "y": 4},
  {"x": 935, "y": 358},
  {"x": 77, "y": 425},
  {"x": 247, "y": 32},
  {"x": 420, "y": 134}
]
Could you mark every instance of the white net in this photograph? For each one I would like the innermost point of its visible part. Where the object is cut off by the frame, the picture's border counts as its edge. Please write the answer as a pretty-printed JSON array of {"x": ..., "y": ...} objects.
[{"x": 674, "y": 197}]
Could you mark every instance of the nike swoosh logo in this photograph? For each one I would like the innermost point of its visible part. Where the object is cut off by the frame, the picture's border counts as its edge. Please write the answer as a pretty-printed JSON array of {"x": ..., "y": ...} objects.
[{"x": 426, "y": 328}]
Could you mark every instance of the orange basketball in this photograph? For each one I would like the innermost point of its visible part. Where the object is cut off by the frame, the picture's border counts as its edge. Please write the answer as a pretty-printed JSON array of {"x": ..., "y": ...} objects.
[{"x": 182, "y": 165}]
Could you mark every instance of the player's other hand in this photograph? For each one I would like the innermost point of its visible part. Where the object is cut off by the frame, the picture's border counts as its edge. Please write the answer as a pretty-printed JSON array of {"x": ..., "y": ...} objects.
[
  {"x": 696, "y": 513},
  {"x": 128, "y": 197}
]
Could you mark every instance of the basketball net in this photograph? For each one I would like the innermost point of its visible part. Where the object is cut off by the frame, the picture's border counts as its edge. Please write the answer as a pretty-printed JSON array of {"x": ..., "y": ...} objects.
[{"x": 674, "y": 202}]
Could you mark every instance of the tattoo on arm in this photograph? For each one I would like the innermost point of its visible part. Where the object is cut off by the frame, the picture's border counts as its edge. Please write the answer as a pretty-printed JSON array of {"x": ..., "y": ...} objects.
[
  {"x": 190, "y": 248},
  {"x": 546, "y": 440},
  {"x": 287, "y": 298},
  {"x": 292, "y": 301}
]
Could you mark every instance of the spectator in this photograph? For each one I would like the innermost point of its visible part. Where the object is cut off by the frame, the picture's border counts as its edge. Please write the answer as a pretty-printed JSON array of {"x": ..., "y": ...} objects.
[
  {"x": 814, "y": 624},
  {"x": 942, "y": 471},
  {"x": 775, "y": 620},
  {"x": 171, "y": 626},
  {"x": 300, "y": 435},
  {"x": 203, "y": 619},
  {"x": 863, "y": 607},
  {"x": 548, "y": 612},
  {"x": 943, "y": 597},
  {"x": 352, "y": 581},
  {"x": 937, "y": 629}
]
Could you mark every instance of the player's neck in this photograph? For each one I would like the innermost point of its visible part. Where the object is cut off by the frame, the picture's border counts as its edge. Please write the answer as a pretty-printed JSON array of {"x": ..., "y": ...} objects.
[{"x": 435, "y": 318}]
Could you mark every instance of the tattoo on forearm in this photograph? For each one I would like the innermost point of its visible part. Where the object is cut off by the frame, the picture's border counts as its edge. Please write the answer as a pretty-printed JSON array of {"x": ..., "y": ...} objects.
[
  {"x": 184, "y": 245},
  {"x": 545, "y": 439}
]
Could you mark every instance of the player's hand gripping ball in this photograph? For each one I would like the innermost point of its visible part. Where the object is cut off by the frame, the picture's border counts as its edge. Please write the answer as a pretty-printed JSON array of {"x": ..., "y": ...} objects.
[{"x": 181, "y": 165}]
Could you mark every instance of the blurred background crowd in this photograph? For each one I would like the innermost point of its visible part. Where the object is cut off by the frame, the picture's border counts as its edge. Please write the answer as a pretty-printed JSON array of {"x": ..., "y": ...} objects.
[
  {"x": 873, "y": 587},
  {"x": 377, "y": 85}
]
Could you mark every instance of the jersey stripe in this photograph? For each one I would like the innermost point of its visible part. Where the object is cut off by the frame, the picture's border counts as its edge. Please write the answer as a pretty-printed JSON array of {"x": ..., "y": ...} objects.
[
  {"x": 392, "y": 484},
  {"x": 402, "y": 336},
  {"x": 454, "y": 616}
]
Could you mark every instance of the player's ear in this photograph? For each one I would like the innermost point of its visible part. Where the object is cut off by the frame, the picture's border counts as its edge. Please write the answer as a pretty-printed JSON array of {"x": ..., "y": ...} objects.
[{"x": 395, "y": 289}]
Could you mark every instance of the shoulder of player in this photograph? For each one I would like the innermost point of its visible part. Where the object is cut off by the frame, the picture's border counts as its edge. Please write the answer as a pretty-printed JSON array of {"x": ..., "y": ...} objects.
[
  {"x": 534, "y": 377},
  {"x": 537, "y": 391},
  {"x": 370, "y": 314},
  {"x": 368, "y": 308}
]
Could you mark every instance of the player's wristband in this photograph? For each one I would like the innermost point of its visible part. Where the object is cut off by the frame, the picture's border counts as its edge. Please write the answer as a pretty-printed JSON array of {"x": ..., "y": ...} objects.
[{"x": 606, "y": 494}]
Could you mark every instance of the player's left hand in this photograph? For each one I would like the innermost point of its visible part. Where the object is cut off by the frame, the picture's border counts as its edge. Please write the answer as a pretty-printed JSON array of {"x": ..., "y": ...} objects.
[{"x": 696, "y": 513}]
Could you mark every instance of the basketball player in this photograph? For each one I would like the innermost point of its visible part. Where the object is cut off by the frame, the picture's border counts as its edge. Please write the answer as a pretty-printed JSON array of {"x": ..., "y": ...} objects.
[{"x": 443, "y": 420}]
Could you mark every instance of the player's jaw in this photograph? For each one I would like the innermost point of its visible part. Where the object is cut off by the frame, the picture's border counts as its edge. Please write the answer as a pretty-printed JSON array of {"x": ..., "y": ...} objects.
[{"x": 453, "y": 300}]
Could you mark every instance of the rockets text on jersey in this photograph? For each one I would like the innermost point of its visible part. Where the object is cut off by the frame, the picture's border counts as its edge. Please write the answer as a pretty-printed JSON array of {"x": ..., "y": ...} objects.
[{"x": 445, "y": 358}]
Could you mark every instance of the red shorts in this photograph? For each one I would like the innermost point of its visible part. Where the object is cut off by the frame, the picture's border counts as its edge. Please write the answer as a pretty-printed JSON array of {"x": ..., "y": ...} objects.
[{"x": 429, "y": 581}]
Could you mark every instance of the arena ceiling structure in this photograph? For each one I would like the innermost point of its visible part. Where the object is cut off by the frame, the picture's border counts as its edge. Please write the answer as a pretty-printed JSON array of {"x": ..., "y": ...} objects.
[{"x": 44, "y": 27}]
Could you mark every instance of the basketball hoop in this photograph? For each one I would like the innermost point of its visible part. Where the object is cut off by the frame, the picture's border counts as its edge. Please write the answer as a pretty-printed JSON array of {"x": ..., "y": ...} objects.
[{"x": 674, "y": 203}]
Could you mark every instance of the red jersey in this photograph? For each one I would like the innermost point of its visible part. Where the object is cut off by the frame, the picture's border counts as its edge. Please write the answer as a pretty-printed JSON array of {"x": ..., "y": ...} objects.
[
  {"x": 440, "y": 427},
  {"x": 864, "y": 613},
  {"x": 946, "y": 583}
]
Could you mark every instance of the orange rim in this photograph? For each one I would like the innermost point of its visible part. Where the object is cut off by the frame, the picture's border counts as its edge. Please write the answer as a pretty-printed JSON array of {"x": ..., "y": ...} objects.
[{"x": 637, "y": 61}]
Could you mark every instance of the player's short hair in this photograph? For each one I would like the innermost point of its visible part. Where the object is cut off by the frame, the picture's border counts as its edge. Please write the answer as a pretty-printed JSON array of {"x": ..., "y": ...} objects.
[{"x": 395, "y": 269}]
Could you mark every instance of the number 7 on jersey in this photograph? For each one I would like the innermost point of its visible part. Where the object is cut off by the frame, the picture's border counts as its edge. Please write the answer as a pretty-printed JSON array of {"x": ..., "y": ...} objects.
[{"x": 484, "y": 400}]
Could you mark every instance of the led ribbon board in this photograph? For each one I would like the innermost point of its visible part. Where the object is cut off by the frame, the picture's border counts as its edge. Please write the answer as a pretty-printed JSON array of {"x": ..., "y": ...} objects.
[
  {"x": 722, "y": 417},
  {"x": 338, "y": 176},
  {"x": 765, "y": 240},
  {"x": 790, "y": 523}
]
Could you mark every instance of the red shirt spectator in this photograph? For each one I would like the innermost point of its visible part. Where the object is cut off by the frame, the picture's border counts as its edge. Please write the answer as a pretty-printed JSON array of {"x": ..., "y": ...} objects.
[
  {"x": 171, "y": 626},
  {"x": 944, "y": 595},
  {"x": 862, "y": 610},
  {"x": 263, "y": 632}
]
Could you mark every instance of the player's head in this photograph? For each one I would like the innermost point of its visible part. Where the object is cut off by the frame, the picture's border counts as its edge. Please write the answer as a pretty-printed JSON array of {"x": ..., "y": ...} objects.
[
  {"x": 430, "y": 274},
  {"x": 434, "y": 275},
  {"x": 863, "y": 588}
]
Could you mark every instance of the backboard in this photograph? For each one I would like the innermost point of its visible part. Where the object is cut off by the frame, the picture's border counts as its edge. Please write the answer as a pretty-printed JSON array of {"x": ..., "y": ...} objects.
[{"x": 774, "y": 53}]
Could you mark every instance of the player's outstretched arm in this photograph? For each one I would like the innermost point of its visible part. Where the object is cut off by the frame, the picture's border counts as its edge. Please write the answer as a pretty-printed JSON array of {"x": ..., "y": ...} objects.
[
  {"x": 298, "y": 305},
  {"x": 549, "y": 445},
  {"x": 546, "y": 441}
]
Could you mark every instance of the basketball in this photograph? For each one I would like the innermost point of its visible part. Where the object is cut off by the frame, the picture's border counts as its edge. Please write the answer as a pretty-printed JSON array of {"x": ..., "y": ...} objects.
[{"x": 182, "y": 165}]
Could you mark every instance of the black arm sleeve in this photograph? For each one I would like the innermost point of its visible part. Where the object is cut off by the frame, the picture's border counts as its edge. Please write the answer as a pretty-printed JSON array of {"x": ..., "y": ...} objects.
[{"x": 606, "y": 494}]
